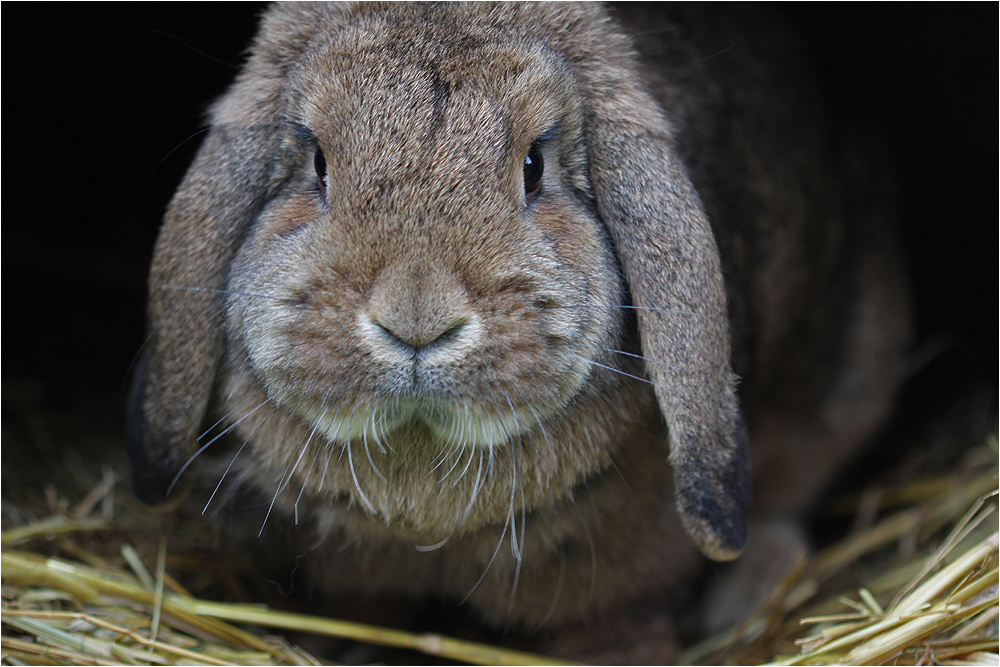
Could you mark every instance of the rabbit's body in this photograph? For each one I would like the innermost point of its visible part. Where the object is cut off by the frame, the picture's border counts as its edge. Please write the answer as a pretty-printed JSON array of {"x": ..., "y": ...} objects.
[
  {"x": 467, "y": 293},
  {"x": 819, "y": 312}
]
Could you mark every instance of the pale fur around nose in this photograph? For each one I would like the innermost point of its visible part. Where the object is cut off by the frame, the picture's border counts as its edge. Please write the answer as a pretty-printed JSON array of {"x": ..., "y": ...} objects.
[{"x": 418, "y": 310}]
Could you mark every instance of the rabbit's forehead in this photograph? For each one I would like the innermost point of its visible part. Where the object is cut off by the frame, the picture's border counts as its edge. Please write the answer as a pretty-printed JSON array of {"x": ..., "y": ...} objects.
[{"x": 370, "y": 85}]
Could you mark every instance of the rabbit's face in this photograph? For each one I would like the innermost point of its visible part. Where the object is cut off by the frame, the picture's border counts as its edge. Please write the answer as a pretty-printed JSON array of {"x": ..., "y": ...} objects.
[{"x": 429, "y": 283}]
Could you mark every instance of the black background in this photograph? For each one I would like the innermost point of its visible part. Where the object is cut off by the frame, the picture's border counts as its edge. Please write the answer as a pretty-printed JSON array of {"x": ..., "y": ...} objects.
[{"x": 104, "y": 102}]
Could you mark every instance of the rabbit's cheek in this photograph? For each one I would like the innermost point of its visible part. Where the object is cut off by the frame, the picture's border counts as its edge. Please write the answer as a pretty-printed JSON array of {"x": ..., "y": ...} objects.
[{"x": 297, "y": 213}]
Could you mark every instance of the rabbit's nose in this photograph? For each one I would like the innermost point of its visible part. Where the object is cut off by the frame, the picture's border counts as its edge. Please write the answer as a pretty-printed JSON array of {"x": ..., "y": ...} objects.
[
  {"x": 417, "y": 311},
  {"x": 419, "y": 339}
]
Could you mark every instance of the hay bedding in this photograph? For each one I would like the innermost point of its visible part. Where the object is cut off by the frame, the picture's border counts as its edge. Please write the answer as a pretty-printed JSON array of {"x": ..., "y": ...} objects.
[{"x": 87, "y": 576}]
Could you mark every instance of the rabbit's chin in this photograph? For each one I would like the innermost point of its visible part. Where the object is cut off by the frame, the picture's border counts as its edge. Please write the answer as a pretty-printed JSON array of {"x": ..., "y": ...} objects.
[{"x": 449, "y": 423}]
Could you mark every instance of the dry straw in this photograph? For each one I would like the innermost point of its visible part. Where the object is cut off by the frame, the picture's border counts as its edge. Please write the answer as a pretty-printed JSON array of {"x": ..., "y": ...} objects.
[
  {"x": 120, "y": 617},
  {"x": 891, "y": 593},
  {"x": 894, "y": 592},
  {"x": 87, "y": 611}
]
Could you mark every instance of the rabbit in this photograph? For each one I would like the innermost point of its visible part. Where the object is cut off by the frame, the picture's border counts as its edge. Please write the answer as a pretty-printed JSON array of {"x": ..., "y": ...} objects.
[{"x": 498, "y": 303}]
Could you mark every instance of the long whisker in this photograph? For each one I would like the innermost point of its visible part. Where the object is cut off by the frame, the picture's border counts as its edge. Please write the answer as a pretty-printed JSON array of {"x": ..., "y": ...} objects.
[
  {"x": 548, "y": 443},
  {"x": 379, "y": 424},
  {"x": 238, "y": 452},
  {"x": 513, "y": 412},
  {"x": 350, "y": 425},
  {"x": 488, "y": 565},
  {"x": 475, "y": 485},
  {"x": 450, "y": 447},
  {"x": 628, "y": 488},
  {"x": 458, "y": 459},
  {"x": 606, "y": 307},
  {"x": 368, "y": 451},
  {"x": 432, "y": 547},
  {"x": 489, "y": 464},
  {"x": 210, "y": 290},
  {"x": 559, "y": 585},
  {"x": 466, "y": 469},
  {"x": 641, "y": 379},
  {"x": 244, "y": 402},
  {"x": 281, "y": 485},
  {"x": 354, "y": 474},
  {"x": 286, "y": 476},
  {"x": 277, "y": 491},
  {"x": 590, "y": 384},
  {"x": 375, "y": 428},
  {"x": 517, "y": 547},
  {"x": 312, "y": 468},
  {"x": 209, "y": 444},
  {"x": 288, "y": 480},
  {"x": 620, "y": 352},
  {"x": 331, "y": 445}
]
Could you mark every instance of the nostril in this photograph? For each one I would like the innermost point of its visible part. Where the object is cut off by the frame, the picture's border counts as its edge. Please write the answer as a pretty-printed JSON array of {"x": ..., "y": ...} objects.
[
  {"x": 419, "y": 339},
  {"x": 450, "y": 334}
]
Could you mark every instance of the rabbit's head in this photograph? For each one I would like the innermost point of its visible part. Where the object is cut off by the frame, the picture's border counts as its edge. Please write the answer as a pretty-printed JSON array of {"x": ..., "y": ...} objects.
[{"x": 440, "y": 261}]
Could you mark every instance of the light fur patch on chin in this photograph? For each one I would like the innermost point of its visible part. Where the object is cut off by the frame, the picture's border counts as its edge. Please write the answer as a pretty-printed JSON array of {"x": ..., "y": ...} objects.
[{"x": 453, "y": 425}]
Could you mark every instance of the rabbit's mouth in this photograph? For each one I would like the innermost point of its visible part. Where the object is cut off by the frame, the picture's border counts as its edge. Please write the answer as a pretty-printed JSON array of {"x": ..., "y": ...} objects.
[{"x": 450, "y": 423}]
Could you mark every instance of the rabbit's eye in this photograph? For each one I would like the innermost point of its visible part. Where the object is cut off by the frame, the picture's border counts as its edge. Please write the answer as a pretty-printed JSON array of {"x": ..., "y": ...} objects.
[
  {"x": 533, "y": 167},
  {"x": 319, "y": 163}
]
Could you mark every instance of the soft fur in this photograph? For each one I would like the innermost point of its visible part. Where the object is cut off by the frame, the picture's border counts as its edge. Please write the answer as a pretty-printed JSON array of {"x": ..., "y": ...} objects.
[{"x": 527, "y": 399}]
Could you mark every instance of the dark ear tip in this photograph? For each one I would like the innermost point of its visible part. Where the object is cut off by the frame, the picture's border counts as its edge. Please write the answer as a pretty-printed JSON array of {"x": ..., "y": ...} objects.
[
  {"x": 719, "y": 529},
  {"x": 714, "y": 501},
  {"x": 151, "y": 478},
  {"x": 150, "y": 489},
  {"x": 719, "y": 542},
  {"x": 151, "y": 474}
]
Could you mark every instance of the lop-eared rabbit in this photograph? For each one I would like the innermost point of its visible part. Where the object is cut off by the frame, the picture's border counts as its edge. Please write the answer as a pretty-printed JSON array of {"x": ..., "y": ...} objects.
[{"x": 529, "y": 306}]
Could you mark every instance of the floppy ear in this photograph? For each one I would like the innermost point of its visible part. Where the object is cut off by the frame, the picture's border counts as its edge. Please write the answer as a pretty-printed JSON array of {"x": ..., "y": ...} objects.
[
  {"x": 230, "y": 180},
  {"x": 671, "y": 262},
  {"x": 219, "y": 197}
]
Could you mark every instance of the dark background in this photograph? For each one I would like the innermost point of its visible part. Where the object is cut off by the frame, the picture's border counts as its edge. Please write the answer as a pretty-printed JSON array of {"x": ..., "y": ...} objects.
[{"x": 104, "y": 103}]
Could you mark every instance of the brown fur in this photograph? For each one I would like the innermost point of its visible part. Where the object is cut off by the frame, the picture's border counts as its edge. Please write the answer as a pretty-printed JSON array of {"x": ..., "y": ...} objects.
[{"x": 501, "y": 405}]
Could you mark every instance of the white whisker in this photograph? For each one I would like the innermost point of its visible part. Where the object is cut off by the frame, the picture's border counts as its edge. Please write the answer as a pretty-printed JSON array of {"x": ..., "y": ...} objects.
[
  {"x": 208, "y": 444},
  {"x": 432, "y": 547},
  {"x": 488, "y": 565},
  {"x": 559, "y": 585},
  {"x": 236, "y": 292},
  {"x": 621, "y": 352},
  {"x": 466, "y": 468},
  {"x": 368, "y": 452},
  {"x": 331, "y": 446},
  {"x": 354, "y": 476},
  {"x": 238, "y": 452},
  {"x": 610, "y": 307},
  {"x": 475, "y": 485},
  {"x": 286, "y": 476},
  {"x": 641, "y": 379},
  {"x": 459, "y": 453},
  {"x": 312, "y": 467},
  {"x": 517, "y": 546},
  {"x": 228, "y": 414}
]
